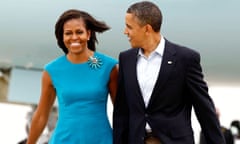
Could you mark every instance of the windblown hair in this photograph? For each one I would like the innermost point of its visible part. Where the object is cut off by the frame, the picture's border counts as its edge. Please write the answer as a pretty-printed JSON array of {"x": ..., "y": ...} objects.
[
  {"x": 91, "y": 24},
  {"x": 147, "y": 13}
]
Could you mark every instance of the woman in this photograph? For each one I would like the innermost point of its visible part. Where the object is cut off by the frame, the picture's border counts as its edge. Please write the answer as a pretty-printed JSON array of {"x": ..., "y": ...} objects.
[{"x": 81, "y": 79}]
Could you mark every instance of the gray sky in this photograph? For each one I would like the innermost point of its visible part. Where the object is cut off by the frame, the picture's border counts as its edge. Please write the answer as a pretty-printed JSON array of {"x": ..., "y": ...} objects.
[{"x": 211, "y": 27}]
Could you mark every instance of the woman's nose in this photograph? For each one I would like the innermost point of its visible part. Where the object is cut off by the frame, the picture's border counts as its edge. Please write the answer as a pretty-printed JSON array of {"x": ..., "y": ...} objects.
[{"x": 74, "y": 36}]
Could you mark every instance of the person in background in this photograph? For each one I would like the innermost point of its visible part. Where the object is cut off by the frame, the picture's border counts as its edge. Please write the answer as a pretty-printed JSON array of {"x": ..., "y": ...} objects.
[
  {"x": 235, "y": 128},
  {"x": 81, "y": 79},
  {"x": 46, "y": 134},
  {"x": 229, "y": 138},
  {"x": 160, "y": 82}
]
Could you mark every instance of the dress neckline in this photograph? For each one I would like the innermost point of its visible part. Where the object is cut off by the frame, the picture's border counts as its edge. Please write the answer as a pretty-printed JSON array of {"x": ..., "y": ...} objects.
[{"x": 80, "y": 63}]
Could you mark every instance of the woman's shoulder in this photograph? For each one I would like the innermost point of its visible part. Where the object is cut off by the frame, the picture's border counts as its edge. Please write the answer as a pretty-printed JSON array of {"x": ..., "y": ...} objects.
[{"x": 55, "y": 62}]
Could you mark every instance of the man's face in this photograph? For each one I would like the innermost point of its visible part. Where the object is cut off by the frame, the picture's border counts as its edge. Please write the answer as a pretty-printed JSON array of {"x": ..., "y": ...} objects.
[{"x": 134, "y": 31}]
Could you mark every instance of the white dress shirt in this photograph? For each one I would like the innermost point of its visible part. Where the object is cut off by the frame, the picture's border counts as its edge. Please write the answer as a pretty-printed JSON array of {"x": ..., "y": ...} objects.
[{"x": 147, "y": 71}]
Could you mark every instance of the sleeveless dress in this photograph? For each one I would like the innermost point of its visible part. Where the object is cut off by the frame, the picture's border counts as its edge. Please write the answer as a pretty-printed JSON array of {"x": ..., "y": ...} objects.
[{"x": 82, "y": 93}]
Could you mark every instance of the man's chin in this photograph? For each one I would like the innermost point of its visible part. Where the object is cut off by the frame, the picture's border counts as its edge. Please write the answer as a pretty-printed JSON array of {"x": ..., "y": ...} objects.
[{"x": 133, "y": 46}]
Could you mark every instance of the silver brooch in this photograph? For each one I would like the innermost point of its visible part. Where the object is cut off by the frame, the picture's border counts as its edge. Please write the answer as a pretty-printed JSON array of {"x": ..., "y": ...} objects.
[{"x": 95, "y": 62}]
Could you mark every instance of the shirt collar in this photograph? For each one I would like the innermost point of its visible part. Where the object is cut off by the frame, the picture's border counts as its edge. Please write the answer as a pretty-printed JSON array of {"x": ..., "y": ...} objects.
[{"x": 159, "y": 50}]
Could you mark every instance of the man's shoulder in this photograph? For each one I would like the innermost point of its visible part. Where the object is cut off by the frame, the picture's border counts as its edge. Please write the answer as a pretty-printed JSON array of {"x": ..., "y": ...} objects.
[
  {"x": 129, "y": 51},
  {"x": 180, "y": 49}
]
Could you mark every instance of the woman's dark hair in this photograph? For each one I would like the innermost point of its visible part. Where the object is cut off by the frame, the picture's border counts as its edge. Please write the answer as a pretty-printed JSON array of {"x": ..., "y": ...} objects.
[
  {"x": 147, "y": 13},
  {"x": 91, "y": 24}
]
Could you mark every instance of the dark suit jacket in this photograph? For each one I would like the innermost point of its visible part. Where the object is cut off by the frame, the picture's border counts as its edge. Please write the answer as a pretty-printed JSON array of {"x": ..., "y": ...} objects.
[
  {"x": 179, "y": 87},
  {"x": 229, "y": 138}
]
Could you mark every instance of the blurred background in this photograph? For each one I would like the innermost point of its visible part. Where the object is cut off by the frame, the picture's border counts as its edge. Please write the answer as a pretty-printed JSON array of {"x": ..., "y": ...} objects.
[{"x": 27, "y": 43}]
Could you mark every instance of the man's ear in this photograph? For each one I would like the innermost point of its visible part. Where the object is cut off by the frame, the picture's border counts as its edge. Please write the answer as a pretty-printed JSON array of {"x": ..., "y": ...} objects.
[{"x": 148, "y": 28}]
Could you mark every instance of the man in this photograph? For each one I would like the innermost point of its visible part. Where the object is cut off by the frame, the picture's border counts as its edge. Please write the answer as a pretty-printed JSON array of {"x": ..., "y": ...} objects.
[
  {"x": 159, "y": 83},
  {"x": 229, "y": 138}
]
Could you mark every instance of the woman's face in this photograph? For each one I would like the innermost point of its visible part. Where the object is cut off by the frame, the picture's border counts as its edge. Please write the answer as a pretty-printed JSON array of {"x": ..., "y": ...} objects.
[{"x": 75, "y": 35}]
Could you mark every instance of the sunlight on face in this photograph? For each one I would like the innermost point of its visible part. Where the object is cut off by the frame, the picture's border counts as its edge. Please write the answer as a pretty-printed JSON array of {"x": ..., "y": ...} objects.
[
  {"x": 75, "y": 35},
  {"x": 134, "y": 31}
]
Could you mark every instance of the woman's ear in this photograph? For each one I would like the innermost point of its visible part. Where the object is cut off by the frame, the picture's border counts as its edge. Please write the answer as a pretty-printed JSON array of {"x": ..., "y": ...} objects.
[{"x": 89, "y": 34}]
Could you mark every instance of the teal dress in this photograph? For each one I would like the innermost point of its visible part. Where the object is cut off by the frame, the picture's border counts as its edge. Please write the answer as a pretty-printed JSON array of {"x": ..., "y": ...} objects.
[{"x": 82, "y": 91}]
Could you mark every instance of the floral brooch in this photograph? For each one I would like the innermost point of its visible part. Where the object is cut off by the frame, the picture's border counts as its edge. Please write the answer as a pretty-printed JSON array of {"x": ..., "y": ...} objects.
[{"x": 94, "y": 62}]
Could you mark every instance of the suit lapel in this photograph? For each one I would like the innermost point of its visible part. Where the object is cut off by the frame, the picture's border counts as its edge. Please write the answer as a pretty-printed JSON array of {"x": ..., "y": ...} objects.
[
  {"x": 132, "y": 71},
  {"x": 168, "y": 62}
]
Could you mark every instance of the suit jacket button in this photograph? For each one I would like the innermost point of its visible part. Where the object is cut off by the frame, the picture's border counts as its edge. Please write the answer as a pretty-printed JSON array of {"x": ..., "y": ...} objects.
[{"x": 146, "y": 115}]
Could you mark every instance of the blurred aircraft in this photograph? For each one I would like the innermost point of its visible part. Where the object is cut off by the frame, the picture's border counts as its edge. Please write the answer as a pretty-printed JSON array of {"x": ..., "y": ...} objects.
[{"x": 28, "y": 42}]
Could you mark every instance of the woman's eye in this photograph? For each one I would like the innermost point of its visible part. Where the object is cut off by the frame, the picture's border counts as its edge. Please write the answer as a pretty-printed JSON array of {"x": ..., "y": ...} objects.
[
  {"x": 67, "y": 33},
  {"x": 79, "y": 32}
]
